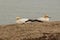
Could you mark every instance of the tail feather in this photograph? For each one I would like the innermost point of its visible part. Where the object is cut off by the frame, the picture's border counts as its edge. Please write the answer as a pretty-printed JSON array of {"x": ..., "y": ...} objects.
[
  {"x": 37, "y": 20},
  {"x": 30, "y": 20},
  {"x": 34, "y": 20}
]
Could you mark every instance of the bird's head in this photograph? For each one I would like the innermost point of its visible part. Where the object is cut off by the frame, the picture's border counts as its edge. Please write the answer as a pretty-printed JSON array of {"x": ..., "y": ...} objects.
[
  {"x": 17, "y": 18},
  {"x": 46, "y": 16}
]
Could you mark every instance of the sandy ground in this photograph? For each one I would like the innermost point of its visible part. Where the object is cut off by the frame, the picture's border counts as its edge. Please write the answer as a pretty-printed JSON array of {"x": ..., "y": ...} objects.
[{"x": 31, "y": 31}]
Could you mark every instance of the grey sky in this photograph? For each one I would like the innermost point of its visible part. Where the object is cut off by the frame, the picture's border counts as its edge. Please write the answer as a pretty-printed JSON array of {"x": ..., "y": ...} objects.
[{"x": 9, "y": 9}]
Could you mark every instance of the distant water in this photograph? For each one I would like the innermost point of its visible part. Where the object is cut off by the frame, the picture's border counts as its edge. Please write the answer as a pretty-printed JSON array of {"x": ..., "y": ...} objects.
[{"x": 9, "y": 9}]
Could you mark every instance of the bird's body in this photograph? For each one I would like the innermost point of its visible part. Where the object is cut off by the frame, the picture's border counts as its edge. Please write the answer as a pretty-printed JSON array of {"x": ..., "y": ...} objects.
[
  {"x": 21, "y": 20},
  {"x": 43, "y": 19},
  {"x": 24, "y": 20}
]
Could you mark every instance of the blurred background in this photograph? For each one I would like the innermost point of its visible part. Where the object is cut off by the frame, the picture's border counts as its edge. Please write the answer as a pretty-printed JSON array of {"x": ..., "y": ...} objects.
[{"x": 9, "y": 9}]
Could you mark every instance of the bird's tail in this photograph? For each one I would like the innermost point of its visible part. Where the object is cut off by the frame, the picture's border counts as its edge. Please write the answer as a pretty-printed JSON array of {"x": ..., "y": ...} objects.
[{"x": 30, "y": 20}]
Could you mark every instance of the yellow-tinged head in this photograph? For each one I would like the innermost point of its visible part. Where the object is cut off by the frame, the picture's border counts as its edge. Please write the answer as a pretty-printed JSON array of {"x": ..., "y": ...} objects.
[
  {"x": 17, "y": 18},
  {"x": 46, "y": 16}
]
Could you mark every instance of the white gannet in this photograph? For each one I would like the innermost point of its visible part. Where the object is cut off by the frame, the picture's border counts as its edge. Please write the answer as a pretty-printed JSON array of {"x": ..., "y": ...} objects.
[
  {"x": 21, "y": 20},
  {"x": 44, "y": 18}
]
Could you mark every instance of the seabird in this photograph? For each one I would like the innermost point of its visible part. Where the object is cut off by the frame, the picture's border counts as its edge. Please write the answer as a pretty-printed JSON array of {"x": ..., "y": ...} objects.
[
  {"x": 44, "y": 18},
  {"x": 21, "y": 20}
]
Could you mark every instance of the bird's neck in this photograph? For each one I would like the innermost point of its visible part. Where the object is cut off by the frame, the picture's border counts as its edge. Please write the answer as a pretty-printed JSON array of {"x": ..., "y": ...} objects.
[{"x": 17, "y": 18}]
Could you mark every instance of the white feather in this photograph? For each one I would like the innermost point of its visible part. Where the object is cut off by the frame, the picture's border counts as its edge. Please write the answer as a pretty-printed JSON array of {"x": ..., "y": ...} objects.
[
  {"x": 43, "y": 19},
  {"x": 21, "y": 20}
]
